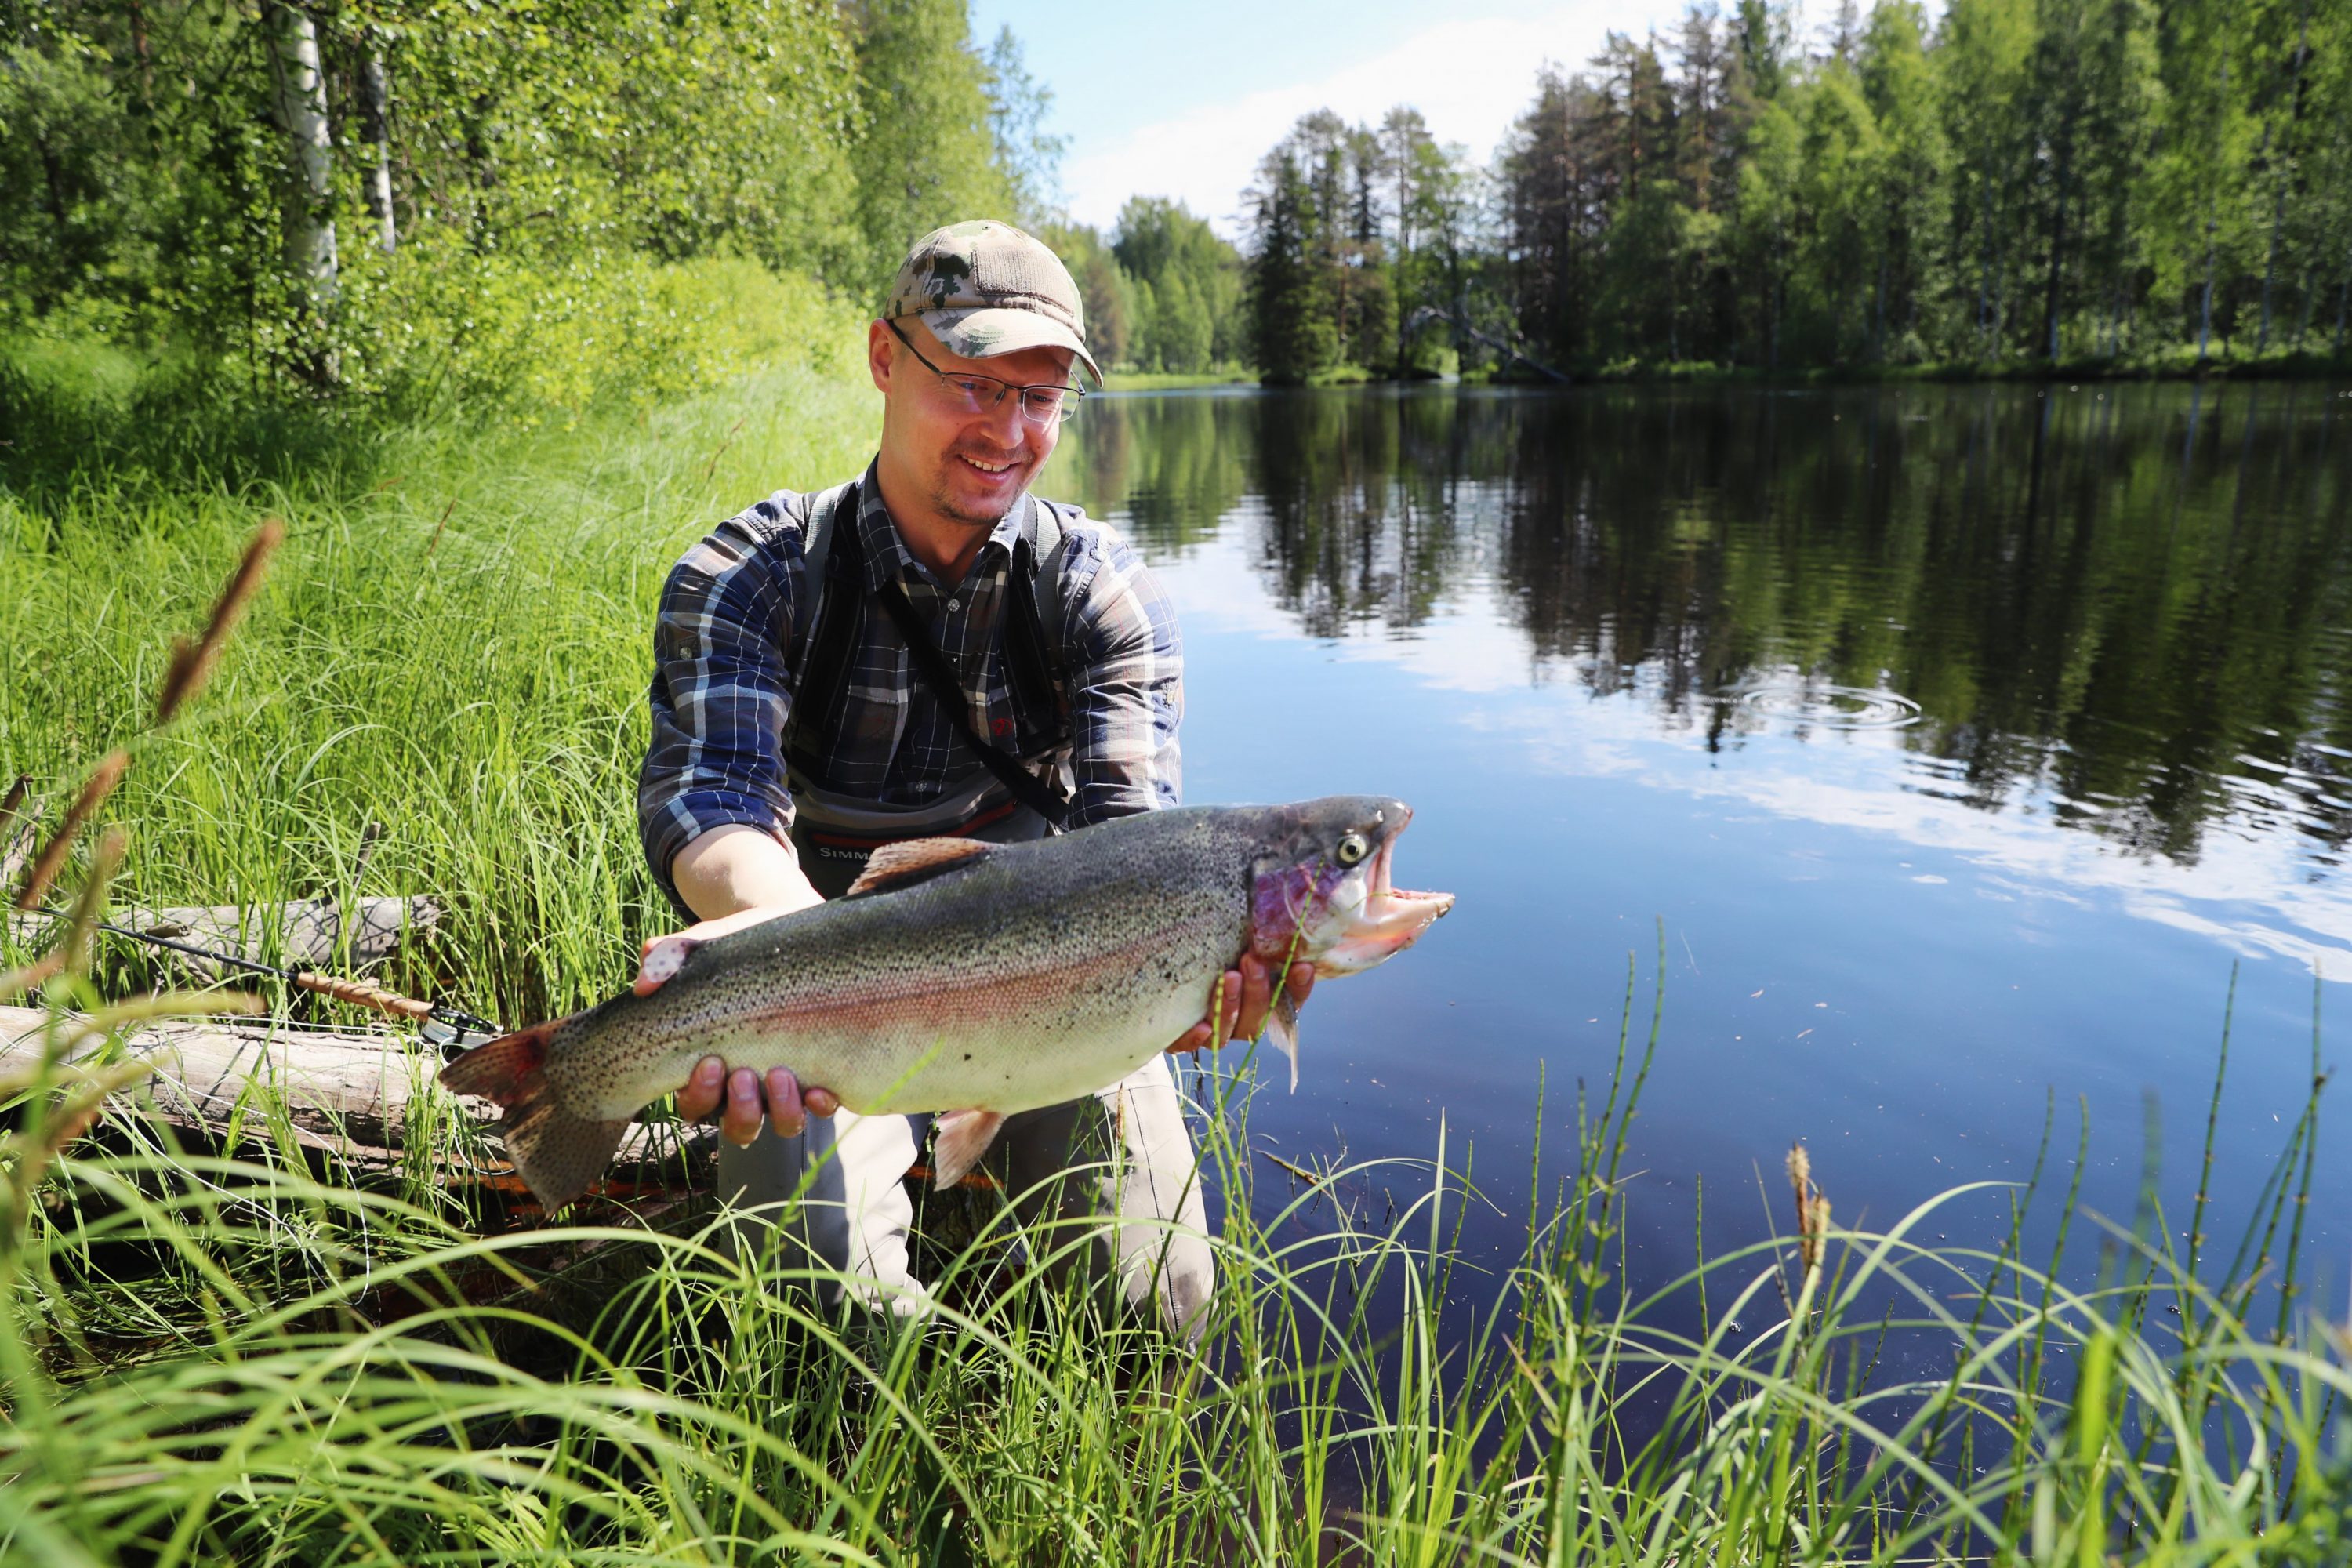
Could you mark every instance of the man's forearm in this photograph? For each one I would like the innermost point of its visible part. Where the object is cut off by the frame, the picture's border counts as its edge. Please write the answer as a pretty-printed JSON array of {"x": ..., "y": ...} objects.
[{"x": 738, "y": 868}]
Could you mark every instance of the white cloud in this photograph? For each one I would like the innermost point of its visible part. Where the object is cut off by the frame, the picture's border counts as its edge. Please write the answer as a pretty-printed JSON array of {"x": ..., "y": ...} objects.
[{"x": 1470, "y": 79}]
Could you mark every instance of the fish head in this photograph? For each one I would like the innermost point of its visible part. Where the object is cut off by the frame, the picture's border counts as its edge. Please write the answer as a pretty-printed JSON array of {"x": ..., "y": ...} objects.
[{"x": 1320, "y": 888}]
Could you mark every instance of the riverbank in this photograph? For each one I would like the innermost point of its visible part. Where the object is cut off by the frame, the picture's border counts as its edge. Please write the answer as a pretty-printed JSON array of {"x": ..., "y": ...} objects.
[
  {"x": 273, "y": 1353},
  {"x": 2184, "y": 366},
  {"x": 1179, "y": 380}
]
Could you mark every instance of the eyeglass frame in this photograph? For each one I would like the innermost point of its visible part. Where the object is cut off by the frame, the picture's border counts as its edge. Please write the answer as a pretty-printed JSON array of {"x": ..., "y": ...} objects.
[{"x": 1072, "y": 392}]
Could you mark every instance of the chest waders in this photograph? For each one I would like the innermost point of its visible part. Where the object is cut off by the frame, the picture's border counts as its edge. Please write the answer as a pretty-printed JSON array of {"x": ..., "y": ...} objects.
[{"x": 836, "y": 1193}]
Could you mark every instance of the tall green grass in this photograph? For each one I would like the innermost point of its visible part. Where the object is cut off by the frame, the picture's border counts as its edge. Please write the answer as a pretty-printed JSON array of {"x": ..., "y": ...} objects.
[
  {"x": 247, "y": 1352},
  {"x": 255, "y": 1359},
  {"x": 454, "y": 644}
]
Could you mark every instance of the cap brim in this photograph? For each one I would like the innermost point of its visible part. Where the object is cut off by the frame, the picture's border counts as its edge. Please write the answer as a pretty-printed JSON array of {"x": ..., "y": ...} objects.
[{"x": 993, "y": 329}]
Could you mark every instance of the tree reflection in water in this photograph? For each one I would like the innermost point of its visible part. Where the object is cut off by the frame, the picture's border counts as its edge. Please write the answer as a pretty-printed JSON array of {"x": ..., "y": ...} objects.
[{"x": 2130, "y": 602}]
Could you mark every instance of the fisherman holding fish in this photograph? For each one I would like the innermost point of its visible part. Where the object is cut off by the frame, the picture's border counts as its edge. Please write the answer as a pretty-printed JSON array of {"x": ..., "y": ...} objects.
[{"x": 929, "y": 650}]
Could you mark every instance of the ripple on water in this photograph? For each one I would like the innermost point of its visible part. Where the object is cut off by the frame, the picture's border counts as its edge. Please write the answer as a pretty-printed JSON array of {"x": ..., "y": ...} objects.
[{"x": 1822, "y": 706}]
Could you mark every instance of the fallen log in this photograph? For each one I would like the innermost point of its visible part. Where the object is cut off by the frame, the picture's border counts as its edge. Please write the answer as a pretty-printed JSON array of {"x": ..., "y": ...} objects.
[
  {"x": 292, "y": 933},
  {"x": 311, "y": 934},
  {"x": 346, "y": 1092}
]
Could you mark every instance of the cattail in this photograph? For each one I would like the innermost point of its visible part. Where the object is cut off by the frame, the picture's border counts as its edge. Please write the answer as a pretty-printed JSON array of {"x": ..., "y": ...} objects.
[
  {"x": 52, "y": 859},
  {"x": 1812, "y": 1209},
  {"x": 104, "y": 861},
  {"x": 192, "y": 662},
  {"x": 33, "y": 975}
]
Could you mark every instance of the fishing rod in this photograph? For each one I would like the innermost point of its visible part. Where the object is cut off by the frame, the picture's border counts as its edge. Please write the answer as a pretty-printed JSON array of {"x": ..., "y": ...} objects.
[{"x": 446, "y": 1025}]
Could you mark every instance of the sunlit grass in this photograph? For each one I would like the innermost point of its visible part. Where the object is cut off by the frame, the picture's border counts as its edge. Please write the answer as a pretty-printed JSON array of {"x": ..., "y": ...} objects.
[
  {"x": 454, "y": 644},
  {"x": 251, "y": 1359},
  {"x": 256, "y": 1353}
]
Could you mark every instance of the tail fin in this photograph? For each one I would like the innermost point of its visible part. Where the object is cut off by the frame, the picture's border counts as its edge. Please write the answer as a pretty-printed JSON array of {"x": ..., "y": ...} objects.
[
  {"x": 558, "y": 1154},
  {"x": 504, "y": 1071}
]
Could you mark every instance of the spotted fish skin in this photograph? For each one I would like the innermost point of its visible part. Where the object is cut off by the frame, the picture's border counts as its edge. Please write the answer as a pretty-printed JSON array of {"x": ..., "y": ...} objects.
[{"x": 990, "y": 978}]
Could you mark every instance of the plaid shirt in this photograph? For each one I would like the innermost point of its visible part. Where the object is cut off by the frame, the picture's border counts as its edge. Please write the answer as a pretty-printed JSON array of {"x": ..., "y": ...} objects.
[{"x": 723, "y": 685}]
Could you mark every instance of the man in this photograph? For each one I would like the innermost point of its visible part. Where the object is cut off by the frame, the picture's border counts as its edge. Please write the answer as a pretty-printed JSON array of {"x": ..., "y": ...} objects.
[{"x": 928, "y": 650}]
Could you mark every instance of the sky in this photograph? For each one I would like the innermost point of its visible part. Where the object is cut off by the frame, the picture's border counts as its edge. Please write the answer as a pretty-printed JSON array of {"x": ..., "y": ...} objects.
[{"x": 1182, "y": 102}]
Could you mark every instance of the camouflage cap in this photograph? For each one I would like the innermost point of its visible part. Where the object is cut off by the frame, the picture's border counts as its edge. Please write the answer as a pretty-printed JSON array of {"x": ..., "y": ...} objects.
[{"x": 984, "y": 288}]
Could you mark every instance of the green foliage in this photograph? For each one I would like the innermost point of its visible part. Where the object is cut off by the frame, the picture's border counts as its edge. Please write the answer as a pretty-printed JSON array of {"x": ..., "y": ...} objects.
[
  {"x": 1189, "y": 283},
  {"x": 452, "y": 643},
  {"x": 1029, "y": 157},
  {"x": 928, "y": 155},
  {"x": 2016, "y": 180},
  {"x": 1293, "y": 332},
  {"x": 530, "y": 204}
]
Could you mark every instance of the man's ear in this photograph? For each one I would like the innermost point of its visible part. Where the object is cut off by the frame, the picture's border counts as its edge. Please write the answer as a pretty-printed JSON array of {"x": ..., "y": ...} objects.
[{"x": 878, "y": 356}]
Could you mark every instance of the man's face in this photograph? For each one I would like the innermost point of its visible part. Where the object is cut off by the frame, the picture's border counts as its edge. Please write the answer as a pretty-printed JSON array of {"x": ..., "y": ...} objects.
[{"x": 968, "y": 467}]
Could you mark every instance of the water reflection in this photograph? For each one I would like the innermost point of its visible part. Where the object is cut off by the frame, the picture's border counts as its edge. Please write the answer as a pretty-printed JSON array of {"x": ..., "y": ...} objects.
[{"x": 2121, "y": 609}]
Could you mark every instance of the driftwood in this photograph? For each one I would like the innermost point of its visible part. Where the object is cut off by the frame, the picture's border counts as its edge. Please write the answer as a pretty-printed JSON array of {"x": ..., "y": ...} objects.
[
  {"x": 345, "y": 1091},
  {"x": 297, "y": 935},
  {"x": 20, "y": 829}
]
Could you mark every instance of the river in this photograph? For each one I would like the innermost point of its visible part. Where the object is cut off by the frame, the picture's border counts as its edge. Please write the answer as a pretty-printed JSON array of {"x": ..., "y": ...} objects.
[{"x": 1962, "y": 738}]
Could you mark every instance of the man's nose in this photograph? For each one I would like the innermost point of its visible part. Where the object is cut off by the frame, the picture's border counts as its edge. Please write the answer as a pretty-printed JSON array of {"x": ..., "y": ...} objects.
[{"x": 1004, "y": 422}]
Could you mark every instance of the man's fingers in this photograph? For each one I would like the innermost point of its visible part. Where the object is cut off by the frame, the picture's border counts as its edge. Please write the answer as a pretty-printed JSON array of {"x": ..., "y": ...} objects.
[
  {"x": 1300, "y": 981},
  {"x": 743, "y": 1100},
  {"x": 1257, "y": 992},
  {"x": 739, "y": 1122},
  {"x": 700, "y": 1096},
  {"x": 786, "y": 1115},
  {"x": 1195, "y": 1038}
]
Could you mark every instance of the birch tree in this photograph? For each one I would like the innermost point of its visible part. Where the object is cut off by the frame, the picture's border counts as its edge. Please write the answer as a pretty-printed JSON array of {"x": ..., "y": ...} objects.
[{"x": 310, "y": 211}]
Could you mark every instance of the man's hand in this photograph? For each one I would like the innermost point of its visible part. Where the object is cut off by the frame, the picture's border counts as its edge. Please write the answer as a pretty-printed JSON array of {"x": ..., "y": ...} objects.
[
  {"x": 756, "y": 876},
  {"x": 1242, "y": 1001},
  {"x": 746, "y": 1097}
]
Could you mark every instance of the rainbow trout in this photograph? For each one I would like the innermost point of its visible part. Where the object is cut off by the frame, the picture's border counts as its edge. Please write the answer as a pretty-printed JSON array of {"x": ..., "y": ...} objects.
[{"x": 970, "y": 979}]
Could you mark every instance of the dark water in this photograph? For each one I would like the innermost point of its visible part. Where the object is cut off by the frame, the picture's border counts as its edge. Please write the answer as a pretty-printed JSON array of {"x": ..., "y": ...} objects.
[{"x": 1963, "y": 739}]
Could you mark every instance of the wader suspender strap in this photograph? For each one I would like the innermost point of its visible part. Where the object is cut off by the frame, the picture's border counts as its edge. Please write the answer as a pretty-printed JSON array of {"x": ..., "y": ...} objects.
[
  {"x": 948, "y": 691},
  {"x": 821, "y": 683}
]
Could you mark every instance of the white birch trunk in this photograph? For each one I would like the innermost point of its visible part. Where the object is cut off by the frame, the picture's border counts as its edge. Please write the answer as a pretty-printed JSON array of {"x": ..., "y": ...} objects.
[
  {"x": 376, "y": 90},
  {"x": 302, "y": 111}
]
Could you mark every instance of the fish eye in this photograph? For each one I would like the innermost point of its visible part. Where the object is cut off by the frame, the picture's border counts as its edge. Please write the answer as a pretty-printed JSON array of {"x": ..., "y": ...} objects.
[{"x": 1353, "y": 847}]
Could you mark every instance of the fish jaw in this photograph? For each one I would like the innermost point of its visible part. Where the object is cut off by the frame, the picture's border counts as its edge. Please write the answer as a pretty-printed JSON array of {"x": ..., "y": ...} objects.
[
  {"x": 1343, "y": 920},
  {"x": 1386, "y": 921}
]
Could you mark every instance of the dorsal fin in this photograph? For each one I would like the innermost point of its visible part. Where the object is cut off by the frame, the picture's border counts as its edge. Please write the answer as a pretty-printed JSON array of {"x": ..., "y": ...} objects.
[{"x": 913, "y": 860}]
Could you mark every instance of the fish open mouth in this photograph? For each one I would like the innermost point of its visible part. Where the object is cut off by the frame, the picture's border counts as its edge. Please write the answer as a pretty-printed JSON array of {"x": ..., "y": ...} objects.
[{"x": 1390, "y": 920}]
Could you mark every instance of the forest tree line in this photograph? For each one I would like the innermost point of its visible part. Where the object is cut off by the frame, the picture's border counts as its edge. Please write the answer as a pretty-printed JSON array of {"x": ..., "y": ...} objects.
[
  {"x": 412, "y": 195},
  {"x": 428, "y": 197},
  {"x": 2053, "y": 181}
]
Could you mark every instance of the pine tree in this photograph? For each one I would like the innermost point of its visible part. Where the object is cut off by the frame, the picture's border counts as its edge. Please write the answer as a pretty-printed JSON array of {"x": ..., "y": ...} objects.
[{"x": 1293, "y": 336}]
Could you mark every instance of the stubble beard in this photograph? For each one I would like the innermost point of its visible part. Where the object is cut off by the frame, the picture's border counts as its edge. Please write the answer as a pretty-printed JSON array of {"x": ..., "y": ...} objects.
[{"x": 944, "y": 502}]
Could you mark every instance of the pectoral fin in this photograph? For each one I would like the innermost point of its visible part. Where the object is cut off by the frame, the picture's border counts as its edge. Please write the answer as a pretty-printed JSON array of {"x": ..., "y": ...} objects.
[
  {"x": 665, "y": 959},
  {"x": 960, "y": 1139},
  {"x": 1282, "y": 1028}
]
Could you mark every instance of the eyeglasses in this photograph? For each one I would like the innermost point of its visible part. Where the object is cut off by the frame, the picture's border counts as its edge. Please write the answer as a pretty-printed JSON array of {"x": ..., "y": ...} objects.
[{"x": 1040, "y": 404}]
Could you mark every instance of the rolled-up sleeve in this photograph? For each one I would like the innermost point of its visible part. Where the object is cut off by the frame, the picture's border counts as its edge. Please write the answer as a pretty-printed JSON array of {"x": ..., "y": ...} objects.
[
  {"x": 1126, "y": 685},
  {"x": 721, "y": 693}
]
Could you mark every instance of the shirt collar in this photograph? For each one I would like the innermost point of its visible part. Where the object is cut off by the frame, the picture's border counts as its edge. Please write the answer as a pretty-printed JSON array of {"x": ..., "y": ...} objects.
[{"x": 885, "y": 552}]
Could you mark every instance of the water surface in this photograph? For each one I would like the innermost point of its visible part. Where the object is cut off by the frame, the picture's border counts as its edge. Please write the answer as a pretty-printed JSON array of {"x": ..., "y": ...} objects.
[{"x": 1962, "y": 738}]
